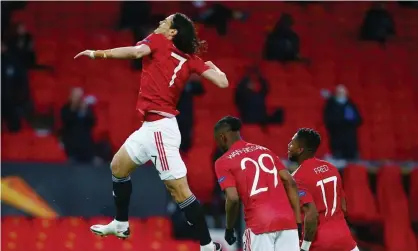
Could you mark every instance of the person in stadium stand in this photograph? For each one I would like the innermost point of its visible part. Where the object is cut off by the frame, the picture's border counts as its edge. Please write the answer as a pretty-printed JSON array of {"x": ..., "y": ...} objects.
[
  {"x": 169, "y": 58},
  {"x": 256, "y": 175},
  {"x": 321, "y": 195}
]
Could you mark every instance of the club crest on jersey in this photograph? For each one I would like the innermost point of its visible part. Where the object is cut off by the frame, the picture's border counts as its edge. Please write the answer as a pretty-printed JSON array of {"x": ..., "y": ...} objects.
[
  {"x": 221, "y": 179},
  {"x": 302, "y": 193}
]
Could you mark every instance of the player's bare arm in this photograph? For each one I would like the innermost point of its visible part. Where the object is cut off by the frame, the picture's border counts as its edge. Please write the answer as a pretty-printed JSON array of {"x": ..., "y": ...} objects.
[
  {"x": 292, "y": 193},
  {"x": 215, "y": 75},
  {"x": 130, "y": 52},
  {"x": 311, "y": 224},
  {"x": 344, "y": 209},
  {"x": 231, "y": 207},
  {"x": 344, "y": 206}
]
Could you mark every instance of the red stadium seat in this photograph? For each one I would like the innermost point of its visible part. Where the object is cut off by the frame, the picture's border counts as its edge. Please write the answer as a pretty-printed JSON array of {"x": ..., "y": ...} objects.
[
  {"x": 7, "y": 245},
  {"x": 12, "y": 222},
  {"x": 201, "y": 173},
  {"x": 72, "y": 223},
  {"x": 254, "y": 134},
  {"x": 392, "y": 200},
  {"x": 15, "y": 231},
  {"x": 45, "y": 224},
  {"x": 158, "y": 228},
  {"x": 390, "y": 193},
  {"x": 137, "y": 227},
  {"x": 399, "y": 236},
  {"x": 48, "y": 150},
  {"x": 361, "y": 205}
]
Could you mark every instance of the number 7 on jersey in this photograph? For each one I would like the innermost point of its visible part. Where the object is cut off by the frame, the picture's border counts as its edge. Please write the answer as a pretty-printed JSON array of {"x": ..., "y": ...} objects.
[{"x": 181, "y": 60}]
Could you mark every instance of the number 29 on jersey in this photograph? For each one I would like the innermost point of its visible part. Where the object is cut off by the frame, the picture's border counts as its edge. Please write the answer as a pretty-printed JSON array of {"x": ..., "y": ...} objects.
[{"x": 259, "y": 165}]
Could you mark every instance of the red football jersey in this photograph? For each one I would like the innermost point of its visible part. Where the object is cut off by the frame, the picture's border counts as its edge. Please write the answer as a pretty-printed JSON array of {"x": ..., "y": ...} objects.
[
  {"x": 320, "y": 182},
  {"x": 164, "y": 74},
  {"x": 254, "y": 171}
]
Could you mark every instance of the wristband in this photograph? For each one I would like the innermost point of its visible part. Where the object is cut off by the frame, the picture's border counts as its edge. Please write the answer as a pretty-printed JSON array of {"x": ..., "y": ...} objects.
[
  {"x": 306, "y": 245},
  {"x": 92, "y": 54}
]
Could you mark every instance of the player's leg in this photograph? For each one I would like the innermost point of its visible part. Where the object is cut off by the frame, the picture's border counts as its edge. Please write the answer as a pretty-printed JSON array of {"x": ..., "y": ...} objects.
[
  {"x": 180, "y": 191},
  {"x": 176, "y": 183},
  {"x": 172, "y": 170},
  {"x": 258, "y": 242},
  {"x": 130, "y": 155},
  {"x": 287, "y": 240}
]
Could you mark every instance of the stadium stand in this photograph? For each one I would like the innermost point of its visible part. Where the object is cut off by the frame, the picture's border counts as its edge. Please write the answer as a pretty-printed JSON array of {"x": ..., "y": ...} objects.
[
  {"x": 71, "y": 233},
  {"x": 328, "y": 39}
]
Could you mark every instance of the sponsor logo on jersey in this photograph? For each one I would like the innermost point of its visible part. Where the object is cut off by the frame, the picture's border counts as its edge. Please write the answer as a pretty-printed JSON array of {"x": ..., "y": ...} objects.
[
  {"x": 302, "y": 193},
  {"x": 221, "y": 179}
]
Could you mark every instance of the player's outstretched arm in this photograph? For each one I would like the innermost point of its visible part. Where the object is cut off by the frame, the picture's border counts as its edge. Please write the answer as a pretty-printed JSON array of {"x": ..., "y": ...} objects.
[
  {"x": 231, "y": 207},
  {"x": 130, "y": 52},
  {"x": 215, "y": 75},
  {"x": 292, "y": 193},
  {"x": 311, "y": 224}
]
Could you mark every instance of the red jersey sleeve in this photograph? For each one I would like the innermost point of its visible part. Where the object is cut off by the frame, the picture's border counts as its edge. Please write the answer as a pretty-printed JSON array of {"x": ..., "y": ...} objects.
[
  {"x": 154, "y": 41},
  {"x": 304, "y": 194},
  {"x": 278, "y": 163},
  {"x": 225, "y": 177},
  {"x": 198, "y": 66}
]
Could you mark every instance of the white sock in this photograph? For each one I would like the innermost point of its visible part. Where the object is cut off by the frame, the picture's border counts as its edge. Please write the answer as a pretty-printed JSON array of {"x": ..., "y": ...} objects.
[
  {"x": 208, "y": 247},
  {"x": 122, "y": 224}
]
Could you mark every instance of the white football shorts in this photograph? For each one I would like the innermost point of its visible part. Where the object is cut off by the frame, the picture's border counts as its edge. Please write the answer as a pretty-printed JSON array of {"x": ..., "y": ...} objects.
[
  {"x": 158, "y": 141},
  {"x": 286, "y": 240}
]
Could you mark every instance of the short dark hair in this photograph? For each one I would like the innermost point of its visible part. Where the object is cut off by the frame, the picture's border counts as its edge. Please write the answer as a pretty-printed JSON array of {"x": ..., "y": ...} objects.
[
  {"x": 232, "y": 123},
  {"x": 311, "y": 138},
  {"x": 186, "y": 38}
]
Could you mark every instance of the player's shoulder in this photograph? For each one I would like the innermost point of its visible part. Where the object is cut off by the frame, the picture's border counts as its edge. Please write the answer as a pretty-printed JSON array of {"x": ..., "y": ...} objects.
[
  {"x": 320, "y": 163},
  {"x": 252, "y": 149},
  {"x": 155, "y": 41},
  {"x": 257, "y": 146},
  {"x": 310, "y": 168},
  {"x": 195, "y": 57},
  {"x": 157, "y": 36},
  {"x": 221, "y": 162}
]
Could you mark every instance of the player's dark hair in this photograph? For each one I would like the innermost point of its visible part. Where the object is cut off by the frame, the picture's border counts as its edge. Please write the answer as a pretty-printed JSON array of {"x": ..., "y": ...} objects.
[
  {"x": 186, "y": 38},
  {"x": 229, "y": 122},
  {"x": 310, "y": 138}
]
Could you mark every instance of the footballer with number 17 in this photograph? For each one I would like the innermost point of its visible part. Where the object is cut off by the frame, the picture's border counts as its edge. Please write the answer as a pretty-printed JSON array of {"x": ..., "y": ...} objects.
[
  {"x": 322, "y": 196},
  {"x": 169, "y": 58},
  {"x": 253, "y": 174}
]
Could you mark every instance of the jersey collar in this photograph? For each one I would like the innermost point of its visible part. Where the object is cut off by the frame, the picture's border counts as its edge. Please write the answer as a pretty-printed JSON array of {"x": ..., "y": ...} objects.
[
  {"x": 306, "y": 162},
  {"x": 238, "y": 144}
]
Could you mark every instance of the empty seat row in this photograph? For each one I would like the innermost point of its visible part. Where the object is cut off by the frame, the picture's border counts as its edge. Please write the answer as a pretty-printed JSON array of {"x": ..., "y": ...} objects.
[{"x": 388, "y": 209}]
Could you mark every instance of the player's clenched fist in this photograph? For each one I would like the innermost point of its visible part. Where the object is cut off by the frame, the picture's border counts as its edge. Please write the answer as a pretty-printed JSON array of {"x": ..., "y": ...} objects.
[
  {"x": 230, "y": 237},
  {"x": 88, "y": 53}
]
